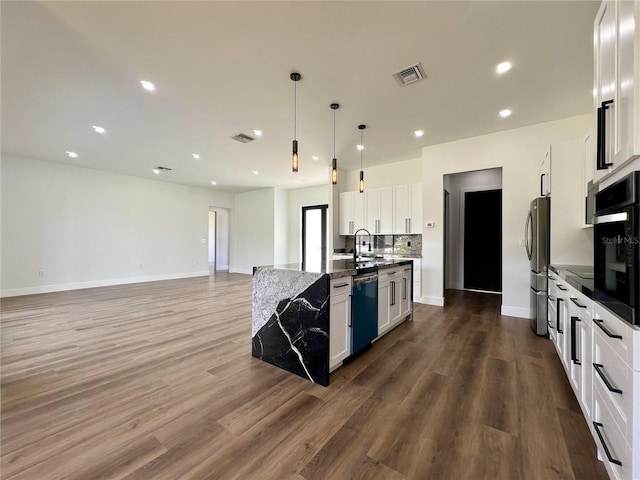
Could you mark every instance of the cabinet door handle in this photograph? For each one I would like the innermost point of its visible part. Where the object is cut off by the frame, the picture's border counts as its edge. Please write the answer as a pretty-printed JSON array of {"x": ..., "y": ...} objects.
[
  {"x": 404, "y": 296},
  {"x": 610, "y": 334},
  {"x": 393, "y": 294},
  {"x": 409, "y": 231},
  {"x": 542, "y": 184},
  {"x": 597, "y": 427},
  {"x": 601, "y": 154},
  {"x": 578, "y": 304},
  {"x": 574, "y": 355},
  {"x": 558, "y": 314},
  {"x": 604, "y": 378},
  {"x": 564, "y": 289},
  {"x": 341, "y": 285}
]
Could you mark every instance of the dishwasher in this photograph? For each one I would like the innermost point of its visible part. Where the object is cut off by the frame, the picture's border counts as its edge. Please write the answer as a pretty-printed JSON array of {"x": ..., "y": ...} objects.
[{"x": 364, "y": 311}]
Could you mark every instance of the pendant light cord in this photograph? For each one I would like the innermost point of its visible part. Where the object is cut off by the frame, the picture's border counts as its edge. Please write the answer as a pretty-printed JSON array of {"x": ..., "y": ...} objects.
[
  {"x": 362, "y": 145},
  {"x": 334, "y": 133},
  {"x": 295, "y": 109}
]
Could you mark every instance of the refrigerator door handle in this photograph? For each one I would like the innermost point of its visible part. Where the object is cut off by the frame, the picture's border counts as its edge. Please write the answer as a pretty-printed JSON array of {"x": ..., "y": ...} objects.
[{"x": 526, "y": 235}]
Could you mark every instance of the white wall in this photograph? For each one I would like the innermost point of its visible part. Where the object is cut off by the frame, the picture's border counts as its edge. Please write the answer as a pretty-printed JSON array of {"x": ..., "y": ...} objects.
[
  {"x": 86, "y": 228},
  {"x": 519, "y": 153},
  {"x": 298, "y": 198},
  {"x": 280, "y": 228},
  {"x": 388, "y": 175},
  {"x": 460, "y": 183},
  {"x": 253, "y": 230},
  {"x": 212, "y": 236}
]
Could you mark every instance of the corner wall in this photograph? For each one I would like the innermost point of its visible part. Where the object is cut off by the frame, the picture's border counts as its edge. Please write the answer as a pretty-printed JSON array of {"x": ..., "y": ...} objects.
[
  {"x": 519, "y": 153},
  {"x": 66, "y": 227}
]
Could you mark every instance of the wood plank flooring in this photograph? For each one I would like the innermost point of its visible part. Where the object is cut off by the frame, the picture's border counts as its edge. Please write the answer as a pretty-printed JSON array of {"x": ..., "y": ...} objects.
[{"x": 156, "y": 381}]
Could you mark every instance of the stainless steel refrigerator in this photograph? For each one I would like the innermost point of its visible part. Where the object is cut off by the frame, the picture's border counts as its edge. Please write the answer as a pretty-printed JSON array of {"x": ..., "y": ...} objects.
[{"x": 537, "y": 241}]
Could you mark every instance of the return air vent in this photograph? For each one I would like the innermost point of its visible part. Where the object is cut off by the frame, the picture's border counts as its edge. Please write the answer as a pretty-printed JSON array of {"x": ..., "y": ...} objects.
[
  {"x": 243, "y": 138},
  {"x": 410, "y": 75}
]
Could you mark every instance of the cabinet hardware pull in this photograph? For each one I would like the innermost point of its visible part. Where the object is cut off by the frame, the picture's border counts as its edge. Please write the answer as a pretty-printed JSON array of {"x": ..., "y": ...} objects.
[
  {"x": 574, "y": 356},
  {"x": 404, "y": 296},
  {"x": 601, "y": 154},
  {"x": 578, "y": 304},
  {"x": 541, "y": 184},
  {"x": 597, "y": 427},
  {"x": 409, "y": 231},
  {"x": 604, "y": 378},
  {"x": 564, "y": 289},
  {"x": 558, "y": 314},
  {"x": 551, "y": 299},
  {"x": 393, "y": 294},
  {"x": 341, "y": 285},
  {"x": 610, "y": 334}
]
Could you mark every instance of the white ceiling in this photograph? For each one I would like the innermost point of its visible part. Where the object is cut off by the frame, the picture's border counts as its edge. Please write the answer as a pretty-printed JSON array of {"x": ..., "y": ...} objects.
[{"x": 221, "y": 68}]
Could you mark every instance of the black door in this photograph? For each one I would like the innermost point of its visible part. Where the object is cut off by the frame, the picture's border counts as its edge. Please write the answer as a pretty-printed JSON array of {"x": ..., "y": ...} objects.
[{"x": 483, "y": 240}]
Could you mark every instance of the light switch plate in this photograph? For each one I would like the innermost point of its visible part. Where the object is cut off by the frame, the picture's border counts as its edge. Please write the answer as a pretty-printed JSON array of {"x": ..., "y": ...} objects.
[{"x": 431, "y": 225}]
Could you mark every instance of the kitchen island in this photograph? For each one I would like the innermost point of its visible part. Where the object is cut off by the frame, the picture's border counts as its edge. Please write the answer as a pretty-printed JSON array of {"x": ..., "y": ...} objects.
[{"x": 295, "y": 308}]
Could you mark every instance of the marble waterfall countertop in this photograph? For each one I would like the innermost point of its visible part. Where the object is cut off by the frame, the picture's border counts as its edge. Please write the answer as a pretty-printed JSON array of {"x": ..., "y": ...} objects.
[{"x": 290, "y": 313}]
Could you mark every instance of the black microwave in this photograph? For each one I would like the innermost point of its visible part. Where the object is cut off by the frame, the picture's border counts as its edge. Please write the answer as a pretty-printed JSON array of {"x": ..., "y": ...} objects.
[{"x": 617, "y": 248}]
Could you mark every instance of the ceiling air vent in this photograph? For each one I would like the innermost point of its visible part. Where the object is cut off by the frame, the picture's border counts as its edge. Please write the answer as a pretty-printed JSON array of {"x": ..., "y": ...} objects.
[
  {"x": 409, "y": 75},
  {"x": 243, "y": 138}
]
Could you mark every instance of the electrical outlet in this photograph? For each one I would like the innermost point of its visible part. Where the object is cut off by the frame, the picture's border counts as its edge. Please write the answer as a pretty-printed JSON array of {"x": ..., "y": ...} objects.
[
  {"x": 408, "y": 244},
  {"x": 431, "y": 225},
  {"x": 41, "y": 273},
  {"x": 204, "y": 240}
]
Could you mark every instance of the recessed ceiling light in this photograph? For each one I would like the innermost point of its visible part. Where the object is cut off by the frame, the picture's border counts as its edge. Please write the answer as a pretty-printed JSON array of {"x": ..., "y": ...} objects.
[
  {"x": 360, "y": 147},
  {"x": 257, "y": 133},
  {"x": 147, "y": 85},
  {"x": 156, "y": 171},
  {"x": 196, "y": 156},
  {"x": 503, "y": 67},
  {"x": 505, "y": 113},
  {"x": 212, "y": 182},
  {"x": 418, "y": 133},
  {"x": 99, "y": 129},
  {"x": 315, "y": 157},
  {"x": 72, "y": 154},
  {"x": 255, "y": 172}
]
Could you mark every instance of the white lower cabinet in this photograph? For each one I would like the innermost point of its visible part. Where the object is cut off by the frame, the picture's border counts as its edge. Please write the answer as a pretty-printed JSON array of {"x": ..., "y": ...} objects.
[
  {"x": 339, "y": 321},
  {"x": 405, "y": 291},
  {"x": 616, "y": 390},
  {"x": 394, "y": 296},
  {"x": 601, "y": 356}
]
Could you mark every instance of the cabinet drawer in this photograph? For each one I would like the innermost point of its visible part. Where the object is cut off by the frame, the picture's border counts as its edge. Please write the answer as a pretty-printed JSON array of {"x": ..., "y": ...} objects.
[
  {"x": 614, "y": 379},
  {"x": 619, "y": 335},
  {"x": 340, "y": 286},
  {"x": 609, "y": 439}
]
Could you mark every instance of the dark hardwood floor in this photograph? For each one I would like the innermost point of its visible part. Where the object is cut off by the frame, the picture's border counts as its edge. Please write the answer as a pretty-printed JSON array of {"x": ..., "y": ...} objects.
[{"x": 156, "y": 381}]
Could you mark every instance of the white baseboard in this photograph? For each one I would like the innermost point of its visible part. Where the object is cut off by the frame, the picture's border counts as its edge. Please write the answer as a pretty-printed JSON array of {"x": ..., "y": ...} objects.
[
  {"x": 222, "y": 267},
  {"x": 455, "y": 286},
  {"x": 437, "y": 301},
  {"x": 62, "y": 287},
  {"x": 247, "y": 271},
  {"x": 515, "y": 311}
]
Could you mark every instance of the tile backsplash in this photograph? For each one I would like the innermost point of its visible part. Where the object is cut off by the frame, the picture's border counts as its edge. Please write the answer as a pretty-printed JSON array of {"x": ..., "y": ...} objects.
[{"x": 389, "y": 244}]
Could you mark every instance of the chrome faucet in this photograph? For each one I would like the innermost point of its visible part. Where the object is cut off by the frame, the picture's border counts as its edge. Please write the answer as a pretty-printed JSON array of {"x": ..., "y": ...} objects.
[{"x": 355, "y": 243}]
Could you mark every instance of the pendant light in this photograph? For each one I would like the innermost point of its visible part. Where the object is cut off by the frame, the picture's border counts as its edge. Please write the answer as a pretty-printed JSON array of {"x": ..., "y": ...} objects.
[
  {"x": 334, "y": 162},
  {"x": 294, "y": 155},
  {"x": 361, "y": 147}
]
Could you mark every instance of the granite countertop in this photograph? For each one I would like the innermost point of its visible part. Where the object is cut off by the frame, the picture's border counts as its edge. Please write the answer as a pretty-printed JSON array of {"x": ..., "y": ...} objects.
[
  {"x": 342, "y": 268},
  {"x": 579, "y": 277}
]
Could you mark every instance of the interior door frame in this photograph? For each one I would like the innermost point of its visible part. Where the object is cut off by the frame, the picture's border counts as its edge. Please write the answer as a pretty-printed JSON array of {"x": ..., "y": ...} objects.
[
  {"x": 324, "y": 228},
  {"x": 482, "y": 188}
]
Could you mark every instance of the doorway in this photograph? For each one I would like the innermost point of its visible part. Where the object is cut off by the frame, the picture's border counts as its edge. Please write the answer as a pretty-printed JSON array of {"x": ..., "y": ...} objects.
[
  {"x": 218, "y": 239},
  {"x": 314, "y": 236},
  {"x": 467, "y": 247},
  {"x": 483, "y": 240}
]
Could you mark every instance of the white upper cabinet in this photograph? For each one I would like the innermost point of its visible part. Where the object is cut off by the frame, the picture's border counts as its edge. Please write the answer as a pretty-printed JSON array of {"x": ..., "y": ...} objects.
[
  {"x": 407, "y": 208},
  {"x": 379, "y": 210},
  {"x": 616, "y": 98},
  {"x": 382, "y": 211},
  {"x": 352, "y": 212},
  {"x": 545, "y": 174}
]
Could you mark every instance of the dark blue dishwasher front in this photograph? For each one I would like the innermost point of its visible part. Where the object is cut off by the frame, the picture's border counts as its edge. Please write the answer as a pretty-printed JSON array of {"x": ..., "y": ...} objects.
[{"x": 364, "y": 311}]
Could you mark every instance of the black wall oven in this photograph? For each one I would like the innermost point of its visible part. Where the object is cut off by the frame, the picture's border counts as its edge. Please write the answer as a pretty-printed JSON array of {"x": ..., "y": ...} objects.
[{"x": 617, "y": 248}]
